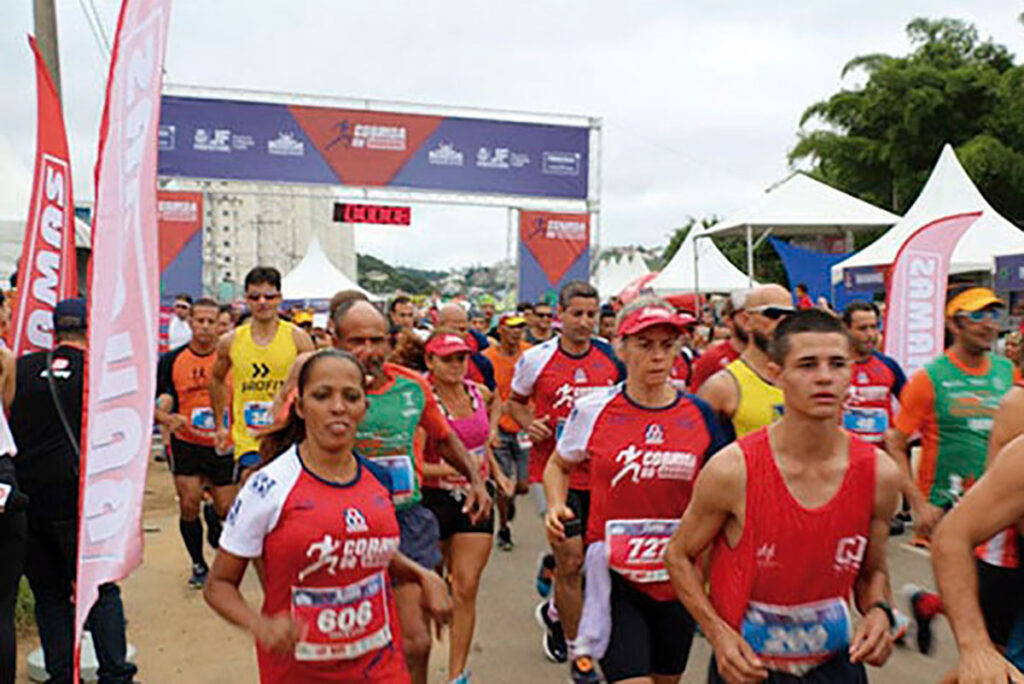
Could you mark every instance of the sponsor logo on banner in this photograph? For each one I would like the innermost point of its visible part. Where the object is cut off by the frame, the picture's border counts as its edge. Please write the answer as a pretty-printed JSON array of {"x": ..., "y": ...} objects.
[
  {"x": 445, "y": 154},
  {"x": 496, "y": 159},
  {"x": 565, "y": 230},
  {"x": 217, "y": 140},
  {"x": 561, "y": 163},
  {"x": 166, "y": 139},
  {"x": 183, "y": 211},
  {"x": 285, "y": 145}
]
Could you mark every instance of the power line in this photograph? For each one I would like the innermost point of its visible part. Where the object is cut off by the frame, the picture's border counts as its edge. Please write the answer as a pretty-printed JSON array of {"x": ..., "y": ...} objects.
[{"x": 97, "y": 31}]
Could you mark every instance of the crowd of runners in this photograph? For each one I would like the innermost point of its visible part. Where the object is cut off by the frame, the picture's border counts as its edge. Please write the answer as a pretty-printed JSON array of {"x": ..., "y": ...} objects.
[{"x": 732, "y": 471}]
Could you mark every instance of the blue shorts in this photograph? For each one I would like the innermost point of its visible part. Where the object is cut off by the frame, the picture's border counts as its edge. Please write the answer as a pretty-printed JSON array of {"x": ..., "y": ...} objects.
[
  {"x": 420, "y": 536},
  {"x": 511, "y": 456}
]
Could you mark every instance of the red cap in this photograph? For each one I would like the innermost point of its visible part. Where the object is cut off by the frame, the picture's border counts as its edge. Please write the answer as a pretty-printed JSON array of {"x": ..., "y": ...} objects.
[
  {"x": 447, "y": 344},
  {"x": 648, "y": 316}
]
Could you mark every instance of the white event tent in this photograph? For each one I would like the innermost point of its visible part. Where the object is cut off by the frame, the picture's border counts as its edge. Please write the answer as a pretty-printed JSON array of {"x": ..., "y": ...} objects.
[
  {"x": 706, "y": 270},
  {"x": 315, "y": 277},
  {"x": 949, "y": 190},
  {"x": 616, "y": 272},
  {"x": 801, "y": 205}
]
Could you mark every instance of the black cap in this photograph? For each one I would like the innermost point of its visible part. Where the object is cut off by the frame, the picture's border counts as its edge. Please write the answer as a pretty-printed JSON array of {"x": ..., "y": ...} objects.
[{"x": 70, "y": 314}]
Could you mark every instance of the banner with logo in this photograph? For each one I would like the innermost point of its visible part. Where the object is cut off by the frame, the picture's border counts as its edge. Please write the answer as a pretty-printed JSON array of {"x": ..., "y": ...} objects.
[
  {"x": 915, "y": 316},
  {"x": 47, "y": 270},
  {"x": 262, "y": 141},
  {"x": 123, "y": 303},
  {"x": 553, "y": 249},
  {"x": 179, "y": 217}
]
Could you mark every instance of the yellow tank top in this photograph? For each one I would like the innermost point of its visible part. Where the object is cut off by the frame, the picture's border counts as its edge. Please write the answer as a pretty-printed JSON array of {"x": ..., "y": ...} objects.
[
  {"x": 257, "y": 373},
  {"x": 760, "y": 403}
]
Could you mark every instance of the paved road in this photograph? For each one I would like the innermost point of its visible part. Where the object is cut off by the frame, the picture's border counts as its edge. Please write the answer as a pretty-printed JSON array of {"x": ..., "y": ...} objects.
[{"x": 180, "y": 639}]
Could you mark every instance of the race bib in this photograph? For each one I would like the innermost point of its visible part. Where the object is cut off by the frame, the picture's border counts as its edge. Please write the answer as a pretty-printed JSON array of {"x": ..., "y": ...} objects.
[
  {"x": 636, "y": 548},
  {"x": 866, "y": 421},
  {"x": 453, "y": 482},
  {"x": 403, "y": 476},
  {"x": 796, "y": 639},
  {"x": 341, "y": 623},
  {"x": 202, "y": 420},
  {"x": 258, "y": 414}
]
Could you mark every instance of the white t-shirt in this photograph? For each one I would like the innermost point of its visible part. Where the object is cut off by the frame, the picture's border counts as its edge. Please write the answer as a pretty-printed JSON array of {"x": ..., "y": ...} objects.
[{"x": 178, "y": 333}]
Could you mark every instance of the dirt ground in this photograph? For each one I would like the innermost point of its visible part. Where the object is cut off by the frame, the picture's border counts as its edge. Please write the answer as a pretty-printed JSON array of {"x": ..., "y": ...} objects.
[{"x": 179, "y": 639}]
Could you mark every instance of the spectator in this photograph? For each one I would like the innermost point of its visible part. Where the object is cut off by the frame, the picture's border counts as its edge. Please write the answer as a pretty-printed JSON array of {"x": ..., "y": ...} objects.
[
  {"x": 803, "y": 299},
  {"x": 178, "y": 331}
]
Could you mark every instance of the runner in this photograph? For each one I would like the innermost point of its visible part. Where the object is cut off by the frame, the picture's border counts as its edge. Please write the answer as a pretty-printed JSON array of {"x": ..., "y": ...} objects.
[
  {"x": 402, "y": 406},
  {"x": 225, "y": 319},
  {"x": 183, "y": 386},
  {"x": 402, "y": 313},
  {"x": 686, "y": 355},
  {"x": 645, "y": 441},
  {"x": 318, "y": 516},
  {"x": 258, "y": 354},
  {"x": 481, "y": 369},
  {"x": 470, "y": 409},
  {"x": 720, "y": 354},
  {"x": 798, "y": 514},
  {"x": 741, "y": 394},
  {"x": 541, "y": 330},
  {"x": 606, "y": 323},
  {"x": 554, "y": 374},
  {"x": 510, "y": 452}
]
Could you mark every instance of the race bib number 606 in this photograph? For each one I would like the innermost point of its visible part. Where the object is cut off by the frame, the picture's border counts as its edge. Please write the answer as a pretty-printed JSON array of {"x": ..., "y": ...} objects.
[{"x": 341, "y": 623}]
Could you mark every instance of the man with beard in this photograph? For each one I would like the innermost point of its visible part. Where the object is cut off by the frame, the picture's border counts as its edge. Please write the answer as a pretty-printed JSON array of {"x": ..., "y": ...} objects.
[
  {"x": 721, "y": 354},
  {"x": 740, "y": 393}
]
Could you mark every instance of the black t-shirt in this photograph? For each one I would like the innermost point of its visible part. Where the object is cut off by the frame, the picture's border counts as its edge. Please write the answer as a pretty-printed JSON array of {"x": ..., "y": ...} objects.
[{"x": 46, "y": 460}]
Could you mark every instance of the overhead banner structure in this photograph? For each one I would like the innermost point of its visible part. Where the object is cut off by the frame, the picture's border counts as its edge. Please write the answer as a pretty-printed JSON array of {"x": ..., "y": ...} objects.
[
  {"x": 179, "y": 217},
  {"x": 47, "y": 270},
  {"x": 554, "y": 248},
  {"x": 916, "y": 297},
  {"x": 122, "y": 351},
  {"x": 295, "y": 143}
]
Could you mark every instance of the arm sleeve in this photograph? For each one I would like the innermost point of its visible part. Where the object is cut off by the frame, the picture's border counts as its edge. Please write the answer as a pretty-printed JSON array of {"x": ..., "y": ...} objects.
[
  {"x": 916, "y": 400},
  {"x": 578, "y": 428},
  {"x": 525, "y": 374},
  {"x": 165, "y": 376},
  {"x": 251, "y": 518}
]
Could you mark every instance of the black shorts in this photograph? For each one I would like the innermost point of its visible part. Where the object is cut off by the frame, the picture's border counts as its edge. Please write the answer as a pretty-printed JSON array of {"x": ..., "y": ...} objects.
[
  {"x": 999, "y": 594},
  {"x": 839, "y": 670},
  {"x": 578, "y": 501},
  {"x": 193, "y": 460},
  {"x": 418, "y": 539},
  {"x": 447, "y": 508},
  {"x": 648, "y": 637}
]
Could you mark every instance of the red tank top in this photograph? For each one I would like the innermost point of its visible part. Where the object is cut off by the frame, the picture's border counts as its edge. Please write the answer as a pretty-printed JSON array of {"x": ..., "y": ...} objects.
[
  {"x": 798, "y": 564},
  {"x": 1002, "y": 550}
]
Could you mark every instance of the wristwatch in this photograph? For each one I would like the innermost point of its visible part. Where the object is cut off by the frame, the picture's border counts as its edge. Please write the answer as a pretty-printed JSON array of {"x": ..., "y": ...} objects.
[{"x": 887, "y": 609}]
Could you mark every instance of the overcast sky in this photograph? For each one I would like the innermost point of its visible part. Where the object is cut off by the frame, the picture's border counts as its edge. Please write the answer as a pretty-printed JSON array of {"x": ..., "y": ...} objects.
[{"x": 700, "y": 100}]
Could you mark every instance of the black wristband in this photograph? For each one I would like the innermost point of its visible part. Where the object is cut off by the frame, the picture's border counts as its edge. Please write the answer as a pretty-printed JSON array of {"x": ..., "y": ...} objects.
[{"x": 887, "y": 609}]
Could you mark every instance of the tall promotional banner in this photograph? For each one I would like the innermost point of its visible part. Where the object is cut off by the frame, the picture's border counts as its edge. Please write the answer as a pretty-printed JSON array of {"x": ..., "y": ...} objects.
[
  {"x": 122, "y": 349},
  {"x": 47, "y": 270},
  {"x": 916, "y": 298},
  {"x": 179, "y": 218},
  {"x": 553, "y": 249}
]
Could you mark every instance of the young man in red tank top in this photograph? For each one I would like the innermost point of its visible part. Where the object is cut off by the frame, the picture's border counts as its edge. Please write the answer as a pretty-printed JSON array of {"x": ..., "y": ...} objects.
[{"x": 811, "y": 529}]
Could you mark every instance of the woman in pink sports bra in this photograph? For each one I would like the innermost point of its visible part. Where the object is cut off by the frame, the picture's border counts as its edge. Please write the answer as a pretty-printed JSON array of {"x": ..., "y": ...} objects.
[{"x": 473, "y": 412}]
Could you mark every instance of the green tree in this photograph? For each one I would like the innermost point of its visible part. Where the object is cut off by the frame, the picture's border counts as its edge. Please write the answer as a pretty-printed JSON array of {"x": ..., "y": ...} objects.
[{"x": 880, "y": 138}]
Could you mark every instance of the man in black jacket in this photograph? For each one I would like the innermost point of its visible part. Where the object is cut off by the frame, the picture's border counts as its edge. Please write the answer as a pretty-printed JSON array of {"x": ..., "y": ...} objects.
[{"x": 46, "y": 418}]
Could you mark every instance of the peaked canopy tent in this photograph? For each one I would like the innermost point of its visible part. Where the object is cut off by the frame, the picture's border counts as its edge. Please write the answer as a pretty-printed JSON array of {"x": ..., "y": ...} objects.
[
  {"x": 949, "y": 190},
  {"x": 801, "y": 205},
  {"x": 615, "y": 273},
  {"x": 699, "y": 266},
  {"x": 315, "y": 278}
]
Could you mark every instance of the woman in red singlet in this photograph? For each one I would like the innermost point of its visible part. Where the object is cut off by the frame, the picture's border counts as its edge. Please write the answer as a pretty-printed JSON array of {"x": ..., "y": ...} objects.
[
  {"x": 472, "y": 412},
  {"x": 319, "y": 519}
]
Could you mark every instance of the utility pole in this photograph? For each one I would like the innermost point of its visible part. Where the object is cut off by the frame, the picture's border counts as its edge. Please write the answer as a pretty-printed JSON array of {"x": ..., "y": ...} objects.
[{"x": 45, "y": 16}]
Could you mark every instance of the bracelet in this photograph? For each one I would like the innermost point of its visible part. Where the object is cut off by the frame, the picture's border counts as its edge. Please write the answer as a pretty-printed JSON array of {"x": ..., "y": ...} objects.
[{"x": 887, "y": 609}]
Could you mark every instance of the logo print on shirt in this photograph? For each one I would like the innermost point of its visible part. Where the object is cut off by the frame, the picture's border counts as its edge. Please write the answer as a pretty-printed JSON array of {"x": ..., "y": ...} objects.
[
  {"x": 766, "y": 556},
  {"x": 565, "y": 395},
  {"x": 862, "y": 377},
  {"x": 326, "y": 553},
  {"x": 655, "y": 434},
  {"x": 262, "y": 484},
  {"x": 354, "y": 521},
  {"x": 648, "y": 465},
  {"x": 850, "y": 553},
  {"x": 579, "y": 377}
]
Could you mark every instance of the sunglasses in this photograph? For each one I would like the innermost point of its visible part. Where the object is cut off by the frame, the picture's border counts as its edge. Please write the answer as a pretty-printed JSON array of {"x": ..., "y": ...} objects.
[
  {"x": 772, "y": 312},
  {"x": 544, "y": 315},
  {"x": 257, "y": 296},
  {"x": 983, "y": 315}
]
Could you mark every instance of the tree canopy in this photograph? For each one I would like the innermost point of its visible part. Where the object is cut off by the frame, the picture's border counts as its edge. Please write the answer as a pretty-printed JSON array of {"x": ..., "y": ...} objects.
[{"x": 878, "y": 140}]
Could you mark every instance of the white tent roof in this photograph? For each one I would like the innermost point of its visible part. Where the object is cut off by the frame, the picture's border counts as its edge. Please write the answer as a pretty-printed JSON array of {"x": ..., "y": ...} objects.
[
  {"x": 315, "y": 277},
  {"x": 802, "y": 205},
  {"x": 949, "y": 190},
  {"x": 615, "y": 273},
  {"x": 716, "y": 273}
]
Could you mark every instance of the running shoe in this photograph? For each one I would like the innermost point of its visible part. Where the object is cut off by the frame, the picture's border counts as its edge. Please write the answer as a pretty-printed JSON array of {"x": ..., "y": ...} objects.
[
  {"x": 553, "y": 642},
  {"x": 583, "y": 671},
  {"x": 213, "y": 524},
  {"x": 545, "y": 574},
  {"x": 199, "y": 575},
  {"x": 505, "y": 542},
  {"x": 905, "y": 517},
  {"x": 462, "y": 678},
  {"x": 512, "y": 508},
  {"x": 896, "y": 526},
  {"x": 916, "y": 597},
  {"x": 900, "y": 629}
]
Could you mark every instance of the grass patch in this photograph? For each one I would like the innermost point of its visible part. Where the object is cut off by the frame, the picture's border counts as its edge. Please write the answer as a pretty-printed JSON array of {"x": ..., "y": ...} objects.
[{"x": 24, "y": 609}]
